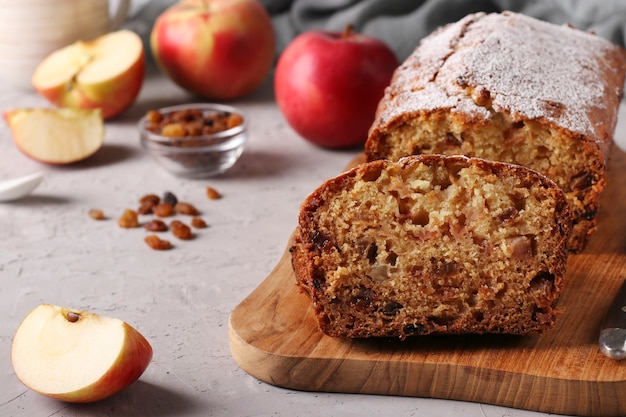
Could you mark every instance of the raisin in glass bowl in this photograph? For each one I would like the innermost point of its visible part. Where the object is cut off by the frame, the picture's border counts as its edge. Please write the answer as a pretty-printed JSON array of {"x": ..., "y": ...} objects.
[{"x": 194, "y": 140}]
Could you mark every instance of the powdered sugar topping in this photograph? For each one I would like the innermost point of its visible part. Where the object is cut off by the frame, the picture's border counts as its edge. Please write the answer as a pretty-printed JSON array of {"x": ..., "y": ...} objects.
[
  {"x": 547, "y": 72},
  {"x": 525, "y": 67}
]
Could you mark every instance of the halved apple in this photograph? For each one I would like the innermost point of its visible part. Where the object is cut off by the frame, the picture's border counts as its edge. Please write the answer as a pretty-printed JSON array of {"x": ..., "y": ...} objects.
[
  {"x": 56, "y": 136},
  {"x": 76, "y": 356},
  {"x": 105, "y": 73}
]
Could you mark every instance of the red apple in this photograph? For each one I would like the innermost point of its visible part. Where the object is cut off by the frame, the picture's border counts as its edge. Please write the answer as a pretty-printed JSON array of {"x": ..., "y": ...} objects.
[
  {"x": 105, "y": 73},
  {"x": 218, "y": 49},
  {"x": 328, "y": 85},
  {"x": 76, "y": 356}
]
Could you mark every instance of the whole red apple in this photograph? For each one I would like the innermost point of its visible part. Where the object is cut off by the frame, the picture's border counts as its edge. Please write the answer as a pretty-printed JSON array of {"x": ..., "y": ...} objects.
[
  {"x": 328, "y": 85},
  {"x": 218, "y": 49}
]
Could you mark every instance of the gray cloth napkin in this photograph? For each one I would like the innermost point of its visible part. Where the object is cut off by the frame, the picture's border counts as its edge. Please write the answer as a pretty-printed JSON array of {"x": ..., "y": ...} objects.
[{"x": 403, "y": 23}]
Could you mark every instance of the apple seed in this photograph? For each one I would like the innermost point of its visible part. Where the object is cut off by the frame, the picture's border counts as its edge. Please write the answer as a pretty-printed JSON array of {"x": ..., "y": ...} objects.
[{"x": 73, "y": 317}]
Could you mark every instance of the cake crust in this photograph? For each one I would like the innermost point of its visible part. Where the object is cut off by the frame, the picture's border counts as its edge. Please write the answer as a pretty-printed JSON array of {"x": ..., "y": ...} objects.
[
  {"x": 433, "y": 244},
  {"x": 511, "y": 88}
]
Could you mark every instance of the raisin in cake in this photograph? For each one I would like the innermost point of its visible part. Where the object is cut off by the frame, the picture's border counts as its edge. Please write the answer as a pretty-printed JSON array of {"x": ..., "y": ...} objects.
[
  {"x": 433, "y": 244},
  {"x": 511, "y": 88}
]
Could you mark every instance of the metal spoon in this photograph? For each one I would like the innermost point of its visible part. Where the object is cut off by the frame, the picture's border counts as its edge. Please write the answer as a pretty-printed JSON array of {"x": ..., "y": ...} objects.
[
  {"x": 612, "y": 338},
  {"x": 16, "y": 188}
]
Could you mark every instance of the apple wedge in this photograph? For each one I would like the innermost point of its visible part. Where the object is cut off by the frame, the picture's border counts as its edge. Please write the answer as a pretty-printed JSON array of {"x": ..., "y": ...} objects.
[
  {"x": 56, "y": 136},
  {"x": 105, "y": 73},
  {"x": 76, "y": 356}
]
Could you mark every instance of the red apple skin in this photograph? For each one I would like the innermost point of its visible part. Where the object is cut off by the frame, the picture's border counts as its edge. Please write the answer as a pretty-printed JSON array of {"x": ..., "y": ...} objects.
[
  {"x": 328, "y": 85},
  {"x": 218, "y": 49}
]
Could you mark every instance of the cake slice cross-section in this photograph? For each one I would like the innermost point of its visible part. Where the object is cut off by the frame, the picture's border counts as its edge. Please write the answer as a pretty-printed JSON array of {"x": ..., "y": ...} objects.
[{"x": 433, "y": 244}]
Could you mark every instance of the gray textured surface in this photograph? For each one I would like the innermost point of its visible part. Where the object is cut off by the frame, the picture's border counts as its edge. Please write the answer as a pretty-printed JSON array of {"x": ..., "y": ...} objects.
[{"x": 51, "y": 251}]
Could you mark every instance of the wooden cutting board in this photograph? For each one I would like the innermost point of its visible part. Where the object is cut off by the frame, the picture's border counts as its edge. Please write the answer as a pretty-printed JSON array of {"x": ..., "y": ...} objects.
[{"x": 274, "y": 337}]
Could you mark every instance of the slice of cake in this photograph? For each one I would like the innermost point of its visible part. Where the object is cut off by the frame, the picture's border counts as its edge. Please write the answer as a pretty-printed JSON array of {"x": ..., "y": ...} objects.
[
  {"x": 511, "y": 88},
  {"x": 433, "y": 244}
]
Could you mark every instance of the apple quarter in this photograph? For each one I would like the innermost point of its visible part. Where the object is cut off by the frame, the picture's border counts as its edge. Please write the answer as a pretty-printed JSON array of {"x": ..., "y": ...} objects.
[{"x": 77, "y": 356}]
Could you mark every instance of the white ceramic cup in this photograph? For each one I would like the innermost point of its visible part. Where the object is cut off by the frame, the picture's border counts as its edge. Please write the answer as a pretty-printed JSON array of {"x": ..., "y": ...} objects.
[{"x": 31, "y": 29}]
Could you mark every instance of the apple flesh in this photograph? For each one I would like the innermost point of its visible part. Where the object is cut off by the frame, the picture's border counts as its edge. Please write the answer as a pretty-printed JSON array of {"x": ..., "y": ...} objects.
[
  {"x": 218, "y": 49},
  {"x": 105, "y": 73},
  {"x": 56, "y": 136},
  {"x": 76, "y": 356},
  {"x": 328, "y": 85}
]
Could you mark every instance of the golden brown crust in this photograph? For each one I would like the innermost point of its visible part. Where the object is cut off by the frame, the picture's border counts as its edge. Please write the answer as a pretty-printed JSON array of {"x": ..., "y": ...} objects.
[
  {"x": 511, "y": 88},
  {"x": 433, "y": 244}
]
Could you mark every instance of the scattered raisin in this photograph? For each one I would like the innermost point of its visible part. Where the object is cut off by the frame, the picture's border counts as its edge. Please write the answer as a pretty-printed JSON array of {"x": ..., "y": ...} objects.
[
  {"x": 186, "y": 208},
  {"x": 181, "y": 230},
  {"x": 198, "y": 223},
  {"x": 157, "y": 243},
  {"x": 212, "y": 193},
  {"x": 96, "y": 214},
  {"x": 165, "y": 206},
  {"x": 146, "y": 207},
  {"x": 156, "y": 225},
  {"x": 163, "y": 210},
  {"x": 147, "y": 202},
  {"x": 128, "y": 219},
  {"x": 169, "y": 197},
  {"x": 152, "y": 198}
]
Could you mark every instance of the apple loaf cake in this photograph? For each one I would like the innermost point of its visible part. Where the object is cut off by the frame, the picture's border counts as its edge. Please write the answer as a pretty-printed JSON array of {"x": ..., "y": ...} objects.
[
  {"x": 510, "y": 88},
  {"x": 433, "y": 244}
]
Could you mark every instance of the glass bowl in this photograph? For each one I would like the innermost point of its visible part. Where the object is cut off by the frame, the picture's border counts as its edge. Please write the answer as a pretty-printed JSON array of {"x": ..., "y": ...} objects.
[{"x": 206, "y": 147}]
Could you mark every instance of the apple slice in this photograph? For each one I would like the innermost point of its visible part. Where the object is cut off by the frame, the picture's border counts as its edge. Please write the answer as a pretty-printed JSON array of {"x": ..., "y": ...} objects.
[
  {"x": 105, "y": 73},
  {"x": 56, "y": 136},
  {"x": 76, "y": 356}
]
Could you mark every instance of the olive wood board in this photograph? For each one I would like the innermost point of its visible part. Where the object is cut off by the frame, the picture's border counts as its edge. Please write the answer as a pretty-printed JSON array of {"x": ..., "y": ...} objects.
[{"x": 274, "y": 337}]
